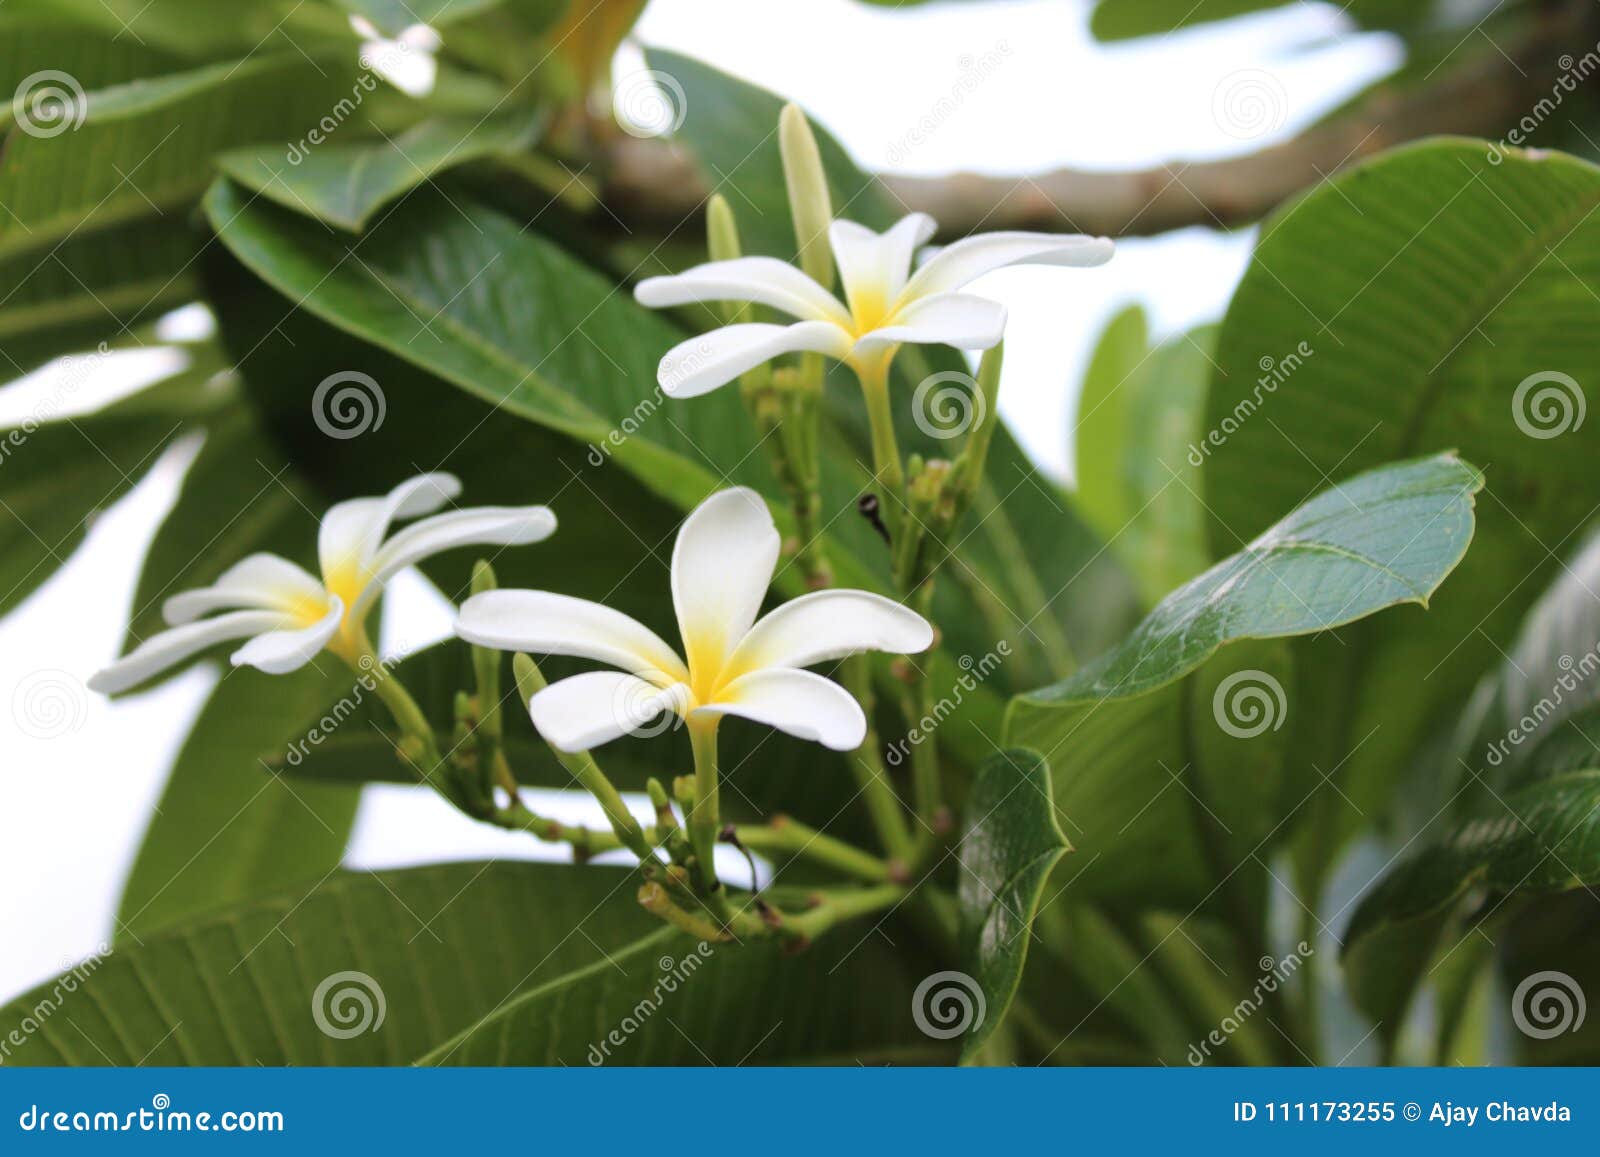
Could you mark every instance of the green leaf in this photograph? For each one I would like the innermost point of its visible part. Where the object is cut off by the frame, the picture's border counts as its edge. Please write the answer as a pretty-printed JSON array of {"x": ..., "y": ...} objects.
[
  {"x": 443, "y": 945},
  {"x": 668, "y": 1000},
  {"x": 1144, "y": 763},
  {"x": 1102, "y": 427},
  {"x": 1139, "y": 453},
  {"x": 1009, "y": 846},
  {"x": 394, "y": 16},
  {"x": 487, "y": 962},
  {"x": 1127, "y": 19},
  {"x": 93, "y": 288},
  {"x": 1164, "y": 541},
  {"x": 223, "y": 832},
  {"x": 1542, "y": 839},
  {"x": 147, "y": 144},
  {"x": 1382, "y": 538},
  {"x": 56, "y": 474},
  {"x": 194, "y": 28},
  {"x": 346, "y": 184},
  {"x": 1398, "y": 310},
  {"x": 1536, "y": 714}
]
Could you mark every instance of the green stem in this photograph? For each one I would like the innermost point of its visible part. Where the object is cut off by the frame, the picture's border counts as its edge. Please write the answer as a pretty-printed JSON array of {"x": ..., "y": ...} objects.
[
  {"x": 886, "y": 466},
  {"x": 883, "y": 803},
  {"x": 836, "y": 907},
  {"x": 787, "y": 835},
  {"x": 583, "y": 768},
  {"x": 704, "y": 817}
]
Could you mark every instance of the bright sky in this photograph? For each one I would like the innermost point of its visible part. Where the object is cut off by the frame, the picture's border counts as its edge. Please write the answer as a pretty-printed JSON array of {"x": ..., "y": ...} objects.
[{"x": 76, "y": 801}]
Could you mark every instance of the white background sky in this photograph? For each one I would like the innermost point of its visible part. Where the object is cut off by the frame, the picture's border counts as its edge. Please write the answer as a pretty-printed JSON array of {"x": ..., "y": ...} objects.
[{"x": 73, "y": 806}]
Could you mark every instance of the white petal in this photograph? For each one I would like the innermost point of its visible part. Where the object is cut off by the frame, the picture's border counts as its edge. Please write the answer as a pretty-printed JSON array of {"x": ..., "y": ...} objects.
[
  {"x": 801, "y": 703},
  {"x": 831, "y": 624},
  {"x": 170, "y": 648},
  {"x": 962, "y": 320},
  {"x": 474, "y": 526},
  {"x": 364, "y": 28},
  {"x": 722, "y": 565},
  {"x": 279, "y": 652},
  {"x": 598, "y": 706},
  {"x": 971, "y": 257},
  {"x": 543, "y": 623},
  {"x": 873, "y": 267},
  {"x": 352, "y": 531},
  {"x": 413, "y": 71},
  {"x": 421, "y": 37},
  {"x": 763, "y": 280},
  {"x": 258, "y": 580},
  {"x": 714, "y": 359}
]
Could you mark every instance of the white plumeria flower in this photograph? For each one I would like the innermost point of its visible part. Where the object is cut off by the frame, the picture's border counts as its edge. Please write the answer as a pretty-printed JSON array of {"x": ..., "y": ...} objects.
[
  {"x": 405, "y": 61},
  {"x": 885, "y": 302},
  {"x": 722, "y": 565},
  {"x": 288, "y": 616}
]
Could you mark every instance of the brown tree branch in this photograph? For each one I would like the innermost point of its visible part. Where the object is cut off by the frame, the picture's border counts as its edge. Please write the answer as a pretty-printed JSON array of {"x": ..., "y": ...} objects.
[{"x": 655, "y": 184}]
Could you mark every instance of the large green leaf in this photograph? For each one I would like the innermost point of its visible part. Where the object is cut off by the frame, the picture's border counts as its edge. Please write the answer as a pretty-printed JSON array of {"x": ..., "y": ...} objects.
[
  {"x": 93, "y": 289},
  {"x": 347, "y": 184},
  {"x": 1009, "y": 845},
  {"x": 194, "y": 28},
  {"x": 387, "y": 968},
  {"x": 1126, "y": 19},
  {"x": 55, "y": 474},
  {"x": 1139, "y": 453},
  {"x": 1433, "y": 298},
  {"x": 1544, "y": 838},
  {"x": 223, "y": 832},
  {"x": 1382, "y": 538},
  {"x": 1102, "y": 424},
  {"x": 146, "y": 145},
  {"x": 667, "y": 999},
  {"x": 1157, "y": 775},
  {"x": 1536, "y": 714}
]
